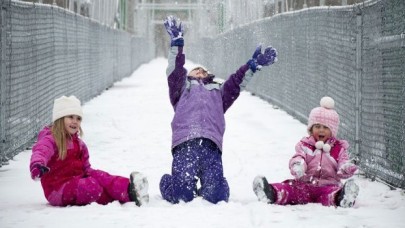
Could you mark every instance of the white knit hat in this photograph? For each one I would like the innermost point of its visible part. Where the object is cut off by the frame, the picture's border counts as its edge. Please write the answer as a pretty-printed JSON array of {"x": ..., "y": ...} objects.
[
  {"x": 65, "y": 106},
  {"x": 325, "y": 115}
]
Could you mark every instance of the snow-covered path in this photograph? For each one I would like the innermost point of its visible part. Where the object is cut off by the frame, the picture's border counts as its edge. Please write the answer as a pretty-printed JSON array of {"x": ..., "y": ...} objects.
[{"x": 128, "y": 128}]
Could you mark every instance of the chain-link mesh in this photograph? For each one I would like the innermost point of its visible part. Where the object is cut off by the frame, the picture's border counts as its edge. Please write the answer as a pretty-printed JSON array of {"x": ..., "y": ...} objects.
[
  {"x": 354, "y": 54},
  {"x": 47, "y": 52},
  {"x": 383, "y": 91}
]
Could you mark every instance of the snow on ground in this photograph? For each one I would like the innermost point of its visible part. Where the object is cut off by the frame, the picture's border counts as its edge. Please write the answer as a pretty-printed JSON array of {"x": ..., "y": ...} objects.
[{"x": 128, "y": 128}]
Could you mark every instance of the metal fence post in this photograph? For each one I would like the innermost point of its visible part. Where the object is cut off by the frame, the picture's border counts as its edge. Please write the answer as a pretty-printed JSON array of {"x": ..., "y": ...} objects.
[
  {"x": 359, "y": 73},
  {"x": 4, "y": 66},
  {"x": 2, "y": 71}
]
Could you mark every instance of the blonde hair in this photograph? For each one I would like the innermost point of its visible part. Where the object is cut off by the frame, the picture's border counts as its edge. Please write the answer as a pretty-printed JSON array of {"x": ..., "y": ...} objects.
[{"x": 61, "y": 136}]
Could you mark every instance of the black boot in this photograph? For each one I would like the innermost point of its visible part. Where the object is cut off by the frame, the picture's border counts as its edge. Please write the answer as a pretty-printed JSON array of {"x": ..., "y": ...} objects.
[
  {"x": 348, "y": 194},
  {"x": 263, "y": 190},
  {"x": 138, "y": 188}
]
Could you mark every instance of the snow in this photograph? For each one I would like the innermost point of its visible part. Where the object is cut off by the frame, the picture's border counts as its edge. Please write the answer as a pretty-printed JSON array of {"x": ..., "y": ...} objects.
[{"x": 127, "y": 128}]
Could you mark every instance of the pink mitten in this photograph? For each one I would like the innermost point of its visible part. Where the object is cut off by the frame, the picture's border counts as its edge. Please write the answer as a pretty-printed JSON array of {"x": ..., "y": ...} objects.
[
  {"x": 37, "y": 171},
  {"x": 347, "y": 170}
]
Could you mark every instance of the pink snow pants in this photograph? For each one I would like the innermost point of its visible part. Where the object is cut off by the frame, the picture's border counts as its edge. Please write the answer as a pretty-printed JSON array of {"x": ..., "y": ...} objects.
[
  {"x": 99, "y": 186},
  {"x": 291, "y": 192}
]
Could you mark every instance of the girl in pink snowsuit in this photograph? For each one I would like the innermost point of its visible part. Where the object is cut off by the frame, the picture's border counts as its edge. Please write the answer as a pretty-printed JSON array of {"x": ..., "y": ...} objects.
[
  {"x": 318, "y": 165},
  {"x": 61, "y": 160}
]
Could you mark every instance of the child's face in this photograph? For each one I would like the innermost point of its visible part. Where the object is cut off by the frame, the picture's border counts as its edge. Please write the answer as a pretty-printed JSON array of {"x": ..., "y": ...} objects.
[
  {"x": 321, "y": 132},
  {"x": 198, "y": 72},
  {"x": 72, "y": 123}
]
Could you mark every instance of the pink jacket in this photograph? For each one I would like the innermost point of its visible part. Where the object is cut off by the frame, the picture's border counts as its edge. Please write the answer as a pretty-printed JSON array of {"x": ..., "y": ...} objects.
[
  {"x": 323, "y": 168},
  {"x": 76, "y": 163}
]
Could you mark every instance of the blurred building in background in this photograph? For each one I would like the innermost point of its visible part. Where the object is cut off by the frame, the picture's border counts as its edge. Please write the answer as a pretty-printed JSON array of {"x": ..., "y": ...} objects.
[
  {"x": 203, "y": 18},
  {"x": 112, "y": 13},
  {"x": 281, "y": 6}
]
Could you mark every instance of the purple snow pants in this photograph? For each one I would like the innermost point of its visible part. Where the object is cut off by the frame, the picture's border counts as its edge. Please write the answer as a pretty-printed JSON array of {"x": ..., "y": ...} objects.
[
  {"x": 296, "y": 192},
  {"x": 99, "y": 186},
  {"x": 192, "y": 160}
]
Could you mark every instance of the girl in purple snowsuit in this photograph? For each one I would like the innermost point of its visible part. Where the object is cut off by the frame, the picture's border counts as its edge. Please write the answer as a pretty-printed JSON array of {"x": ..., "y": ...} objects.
[
  {"x": 198, "y": 125},
  {"x": 61, "y": 160},
  {"x": 318, "y": 165}
]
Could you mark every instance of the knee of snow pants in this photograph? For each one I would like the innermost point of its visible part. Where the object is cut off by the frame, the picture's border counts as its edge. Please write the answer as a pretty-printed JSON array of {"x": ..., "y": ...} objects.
[
  {"x": 166, "y": 188},
  {"x": 215, "y": 191},
  {"x": 81, "y": 191},
  {"x": 174, "y": 189}
]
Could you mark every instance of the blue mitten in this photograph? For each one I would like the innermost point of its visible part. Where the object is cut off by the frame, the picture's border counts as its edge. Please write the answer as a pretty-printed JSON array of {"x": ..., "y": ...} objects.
[
  {"x": 175, "y": 31},
  {"x": 260, "y": 59}
]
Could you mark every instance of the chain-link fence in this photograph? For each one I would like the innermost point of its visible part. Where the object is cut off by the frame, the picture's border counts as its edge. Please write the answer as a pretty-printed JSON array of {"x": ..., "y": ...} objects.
[
  {"x": 355, "y": 54},
  {"x": 47, "y": 52}
]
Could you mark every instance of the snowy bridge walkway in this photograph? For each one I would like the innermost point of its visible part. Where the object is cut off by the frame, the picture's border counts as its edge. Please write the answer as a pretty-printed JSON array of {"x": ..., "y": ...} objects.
[{"x": 128, "y": 128}]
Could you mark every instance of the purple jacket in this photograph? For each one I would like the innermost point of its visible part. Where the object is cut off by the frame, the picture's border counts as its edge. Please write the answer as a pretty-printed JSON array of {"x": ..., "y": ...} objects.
[
  {"x": 200, "y": 105},
  {"x": 322, "y": 168}
]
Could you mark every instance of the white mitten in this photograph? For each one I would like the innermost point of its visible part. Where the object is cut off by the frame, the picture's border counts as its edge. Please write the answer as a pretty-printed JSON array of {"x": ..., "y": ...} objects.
[{"x": 298, "y": 169}]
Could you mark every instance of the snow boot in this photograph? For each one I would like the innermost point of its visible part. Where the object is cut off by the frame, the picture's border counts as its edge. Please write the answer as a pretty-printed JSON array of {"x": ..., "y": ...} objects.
[
  {"x": 264, "y": 191},
  {"x": 138, "y": 188},
  {"x": 348, "y": 194}
]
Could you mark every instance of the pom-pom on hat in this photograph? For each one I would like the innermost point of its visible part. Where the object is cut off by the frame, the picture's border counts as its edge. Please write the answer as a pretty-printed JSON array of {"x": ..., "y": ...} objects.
[
  {"x": 65, "y": 106},
  {"x": 325, "y": 115}
]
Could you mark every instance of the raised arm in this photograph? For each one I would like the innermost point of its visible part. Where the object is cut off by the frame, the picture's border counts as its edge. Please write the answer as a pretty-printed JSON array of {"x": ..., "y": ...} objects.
[
  {"x": 238, "y": 81},
  {"x": 176, "y": 73}
]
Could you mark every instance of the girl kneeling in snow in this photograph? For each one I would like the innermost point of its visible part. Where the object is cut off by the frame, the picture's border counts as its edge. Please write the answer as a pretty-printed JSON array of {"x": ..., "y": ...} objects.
[
  {"x": 320, "y": 162},
  {"x": 61, "y": 160},
  {"x": 198, "y": 125}
]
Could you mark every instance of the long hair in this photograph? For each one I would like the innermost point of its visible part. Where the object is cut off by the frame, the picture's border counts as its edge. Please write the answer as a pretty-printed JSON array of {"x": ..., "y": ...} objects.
[{"x": 62, "y": 136}]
